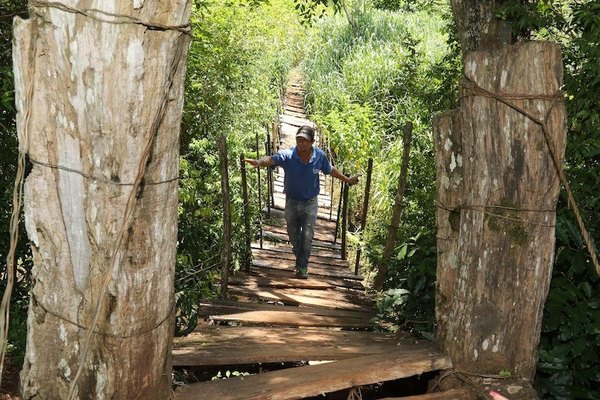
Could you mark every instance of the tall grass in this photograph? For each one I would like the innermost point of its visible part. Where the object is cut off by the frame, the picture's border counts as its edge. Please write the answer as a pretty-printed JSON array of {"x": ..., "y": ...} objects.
[
  {"x": 240, "y": 57},
  {"x": 365, "y": 80}
]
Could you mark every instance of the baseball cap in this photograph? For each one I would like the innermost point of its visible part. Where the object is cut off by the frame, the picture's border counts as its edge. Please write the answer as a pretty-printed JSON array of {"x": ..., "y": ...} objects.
[{"x": 307, "y": 132}]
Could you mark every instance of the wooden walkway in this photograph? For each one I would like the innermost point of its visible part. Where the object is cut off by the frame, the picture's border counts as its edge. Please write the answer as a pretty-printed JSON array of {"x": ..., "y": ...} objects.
[{"x": 279, "y": 318}]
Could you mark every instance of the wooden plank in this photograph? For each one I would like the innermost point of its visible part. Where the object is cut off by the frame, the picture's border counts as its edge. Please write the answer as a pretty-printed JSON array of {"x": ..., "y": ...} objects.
[
  {"x": 324, "y": 201},
  {"x": 287, "y": 318},
  {"x": 291, "y": 281},
  {"x": 304, "y": 297},
  {"x": 286, "y": 248},
  {"x": 223, "y": 345},
  {"x": 277, "y": 215},
  {"x": 322, "y": 233},
  {"x": 294, "y": 111},
  {"x": 280, "y": 234},
  {"x": 286, "y": 254},
  {"x": 295, "y": 121},
  {"x": 234, "y": 305},
  {"x": 293, "y": 108},
  {"x": 313, "y": 268},
  {"x": 336, "y": 282},
  {"x": 241, "y": 279},
  {"x": 266, "y": 314},
  {"x": 322, "y": 212},
  {"x": 313, "y": 380},
  {"x": 452, "y": 394}
]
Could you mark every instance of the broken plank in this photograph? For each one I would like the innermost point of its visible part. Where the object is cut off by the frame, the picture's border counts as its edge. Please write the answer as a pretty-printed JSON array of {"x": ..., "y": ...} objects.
[{"x": 313, "y": 380}]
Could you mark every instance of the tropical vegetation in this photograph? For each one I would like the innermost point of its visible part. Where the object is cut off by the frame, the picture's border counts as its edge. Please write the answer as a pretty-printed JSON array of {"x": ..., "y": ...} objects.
[{"x": 370, "y": 68}]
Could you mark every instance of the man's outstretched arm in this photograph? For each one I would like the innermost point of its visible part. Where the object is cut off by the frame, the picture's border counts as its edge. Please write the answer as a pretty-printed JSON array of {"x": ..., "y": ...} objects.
[
  {"x": 265, "y": 161},
  {"x": 350, "y": 180}
]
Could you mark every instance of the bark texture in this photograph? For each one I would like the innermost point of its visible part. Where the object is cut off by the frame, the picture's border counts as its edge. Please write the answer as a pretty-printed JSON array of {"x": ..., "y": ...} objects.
[
  {"x": 497, "y": 189},
  {"x": 90, "y": 79},
  {"x": 477, "y": 26}
]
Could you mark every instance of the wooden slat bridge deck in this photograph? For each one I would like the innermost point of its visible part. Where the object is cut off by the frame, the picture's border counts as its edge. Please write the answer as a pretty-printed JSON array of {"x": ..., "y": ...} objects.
[{"x": 279, "y": 318}]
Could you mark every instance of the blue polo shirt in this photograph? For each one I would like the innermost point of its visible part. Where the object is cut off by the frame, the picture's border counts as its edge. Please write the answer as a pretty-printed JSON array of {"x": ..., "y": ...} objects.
[{"x": 301, "y": 181}]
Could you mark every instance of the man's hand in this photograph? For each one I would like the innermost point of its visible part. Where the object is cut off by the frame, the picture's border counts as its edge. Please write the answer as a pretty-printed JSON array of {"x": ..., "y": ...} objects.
[
  {"x": 497, "y": 396},
  {"x": 353, "y": 180},
  {"x": 254, "y": 163}
]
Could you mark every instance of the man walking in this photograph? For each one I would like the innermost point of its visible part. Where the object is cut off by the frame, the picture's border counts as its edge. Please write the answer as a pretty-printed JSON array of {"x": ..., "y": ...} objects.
[{"x": 302, "y": 164}]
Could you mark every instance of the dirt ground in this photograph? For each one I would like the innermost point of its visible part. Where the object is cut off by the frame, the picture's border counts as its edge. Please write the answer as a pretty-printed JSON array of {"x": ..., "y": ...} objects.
[{"x": 10, "y": 383}]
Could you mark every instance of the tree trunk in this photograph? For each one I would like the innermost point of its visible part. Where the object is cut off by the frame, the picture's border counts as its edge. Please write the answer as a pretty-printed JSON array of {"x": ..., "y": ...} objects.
[
  {"x": 477, "y": 27},
  {"x": 497, "y": 189},
  {"x": 99, "y": 95}
]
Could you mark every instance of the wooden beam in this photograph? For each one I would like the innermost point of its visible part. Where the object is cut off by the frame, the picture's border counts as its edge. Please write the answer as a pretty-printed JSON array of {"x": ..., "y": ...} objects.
[
  {"x": 212, "y": 345},
  {"x": 266, "y": 314},
  {"x": 313, "y": 380}
]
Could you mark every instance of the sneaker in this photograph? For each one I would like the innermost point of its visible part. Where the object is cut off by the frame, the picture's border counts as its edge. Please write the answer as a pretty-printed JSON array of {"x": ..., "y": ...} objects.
[{"x": 302, "y": 274}]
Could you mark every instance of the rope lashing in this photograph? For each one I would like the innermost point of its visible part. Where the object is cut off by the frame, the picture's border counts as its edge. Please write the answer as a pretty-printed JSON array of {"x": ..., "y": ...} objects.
[
  {"x": 133, "y": 334},
  {"x": 485, "y": 209},
  {"x": 111, "y": 18},
  {"x": 503, "y": 98},
  {"x": 97, "y": 178}
]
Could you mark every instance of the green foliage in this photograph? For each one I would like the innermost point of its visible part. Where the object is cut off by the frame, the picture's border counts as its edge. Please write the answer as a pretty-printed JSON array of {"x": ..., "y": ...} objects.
[
  {"x": 241, "y": 54},
  {"x": 8, "y": 164},
  {"x": 412, "y": 306},
  {"x": 310, "y": 10},
  {"x": 365, "y": 80},
  {"x": 408, "y": 5},
  {"x": 229, "y": 374}
]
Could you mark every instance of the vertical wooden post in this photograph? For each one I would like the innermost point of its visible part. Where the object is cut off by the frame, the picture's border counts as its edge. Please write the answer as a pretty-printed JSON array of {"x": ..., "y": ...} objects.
[
  {"x": 246, "y": 210},
  {"x": 226, "y": 201},
  {"x": 344, "y": 219},
  {"x": 269, "y": 188},
  {"x": 259, "y": 184},
  {"x": 390, "y": 242},
  {"x": 276, "y": 139},
  {"x": 338, "y": 221},
  {"x": 269, "y": 151},
  {"x": 331, "y": 187},
  {"x": 365, "y": 209},
  {"x": 497, "y": 227},
  {"x": 331, "y": 199},
  {"x": 101, "y": 197}
]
